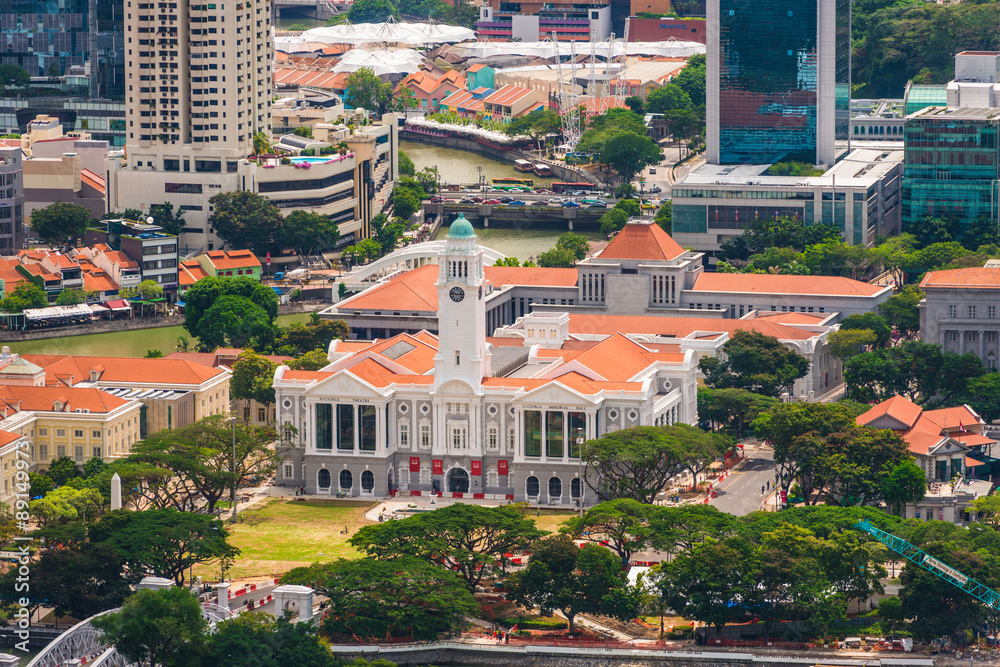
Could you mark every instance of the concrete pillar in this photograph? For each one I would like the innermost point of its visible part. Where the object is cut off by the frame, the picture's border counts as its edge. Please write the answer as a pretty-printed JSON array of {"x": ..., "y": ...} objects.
[
  {"x": 222, "y": 593},
  {"x": 486, "y": 222},
  {"x": 571, "y": 224}
]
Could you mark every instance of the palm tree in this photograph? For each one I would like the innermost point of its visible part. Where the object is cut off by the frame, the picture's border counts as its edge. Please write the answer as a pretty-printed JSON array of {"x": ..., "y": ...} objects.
[{"x": 182, "y": 344}]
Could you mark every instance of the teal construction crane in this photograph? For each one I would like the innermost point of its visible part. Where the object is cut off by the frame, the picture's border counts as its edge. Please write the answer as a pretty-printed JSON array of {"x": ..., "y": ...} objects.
[{"x": 911, "y": 553}]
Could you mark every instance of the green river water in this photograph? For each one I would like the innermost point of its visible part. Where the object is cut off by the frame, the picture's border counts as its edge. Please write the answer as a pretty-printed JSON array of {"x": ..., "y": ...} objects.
[{"x": 120, "y": 343}]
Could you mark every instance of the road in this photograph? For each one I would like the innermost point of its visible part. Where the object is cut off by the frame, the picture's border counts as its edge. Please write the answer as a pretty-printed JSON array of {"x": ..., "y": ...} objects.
[{"x": 740, "y": 493}]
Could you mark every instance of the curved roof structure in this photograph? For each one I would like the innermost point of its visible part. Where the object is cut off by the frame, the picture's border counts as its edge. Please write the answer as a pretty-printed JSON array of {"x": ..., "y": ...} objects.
[
  {"x": 461, "y": 229},
  {"x": 381, "y": 61},
  {"x": 670, "y": 49},
  {"x": 390, "y": 32}
]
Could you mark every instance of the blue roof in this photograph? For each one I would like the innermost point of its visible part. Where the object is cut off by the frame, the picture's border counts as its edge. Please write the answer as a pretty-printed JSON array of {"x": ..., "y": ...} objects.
[{"x": 277, "y": 291}]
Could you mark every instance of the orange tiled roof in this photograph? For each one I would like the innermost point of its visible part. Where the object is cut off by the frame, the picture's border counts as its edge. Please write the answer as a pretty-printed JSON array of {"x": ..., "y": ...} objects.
[
  {"x": 508, "y": 95},
  {"x": 121, "y": 259},
  {"x": 899, "y": 408},
  {"x": 679, "y": 327},
  {"x": 232, "y": 259},
  {"x": 411, "y": 291},
  {"x": 642, "y": 240},
  {"x": 476, "y": 67},
  {"x": 792, "y": 318},
  {"x": 93, "y": 180},
  {"x": 125, "y": 369},
  {"x": 462, "y": 99},
  {"x": 191, "y": 272},
  {"x": 98, "y": 281},
  {"x": 429, "y": 83},
  {"x": 76, "y": 398},
  {"x": 767, "y": 283},
  {"x": 927, "y": 428},
  {"x": 978, "y": 277},
  {"x": 6, "y": 437},
  {"x": 527, "y": 275}
]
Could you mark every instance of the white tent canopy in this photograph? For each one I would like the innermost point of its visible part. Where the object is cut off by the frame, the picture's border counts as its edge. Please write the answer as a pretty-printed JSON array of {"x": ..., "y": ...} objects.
[
  {"x": 669, "y": 48},
  {"x": 381, "y": 61},
  {"x": 417, "y": 34},
  {"x": 490, "y": 135}
]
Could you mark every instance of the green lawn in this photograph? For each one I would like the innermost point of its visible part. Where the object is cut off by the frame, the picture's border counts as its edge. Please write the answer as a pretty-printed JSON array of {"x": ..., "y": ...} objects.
[{"x": 284, "y": 534}]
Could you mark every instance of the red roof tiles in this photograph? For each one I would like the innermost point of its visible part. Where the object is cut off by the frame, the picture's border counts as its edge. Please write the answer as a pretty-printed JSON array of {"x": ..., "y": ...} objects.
[{"x": 642, "y": 240}]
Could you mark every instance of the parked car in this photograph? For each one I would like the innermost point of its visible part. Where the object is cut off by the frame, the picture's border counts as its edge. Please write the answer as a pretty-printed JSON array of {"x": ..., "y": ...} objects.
[
  {"x": 570, "y": 204},
  {"x": 597, "y": 204},
  {"x": 517, "y": 202}
]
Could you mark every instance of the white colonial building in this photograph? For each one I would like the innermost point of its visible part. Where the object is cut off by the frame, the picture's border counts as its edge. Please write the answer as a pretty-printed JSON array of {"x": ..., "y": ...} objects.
[{"x": 463, "y": 413}]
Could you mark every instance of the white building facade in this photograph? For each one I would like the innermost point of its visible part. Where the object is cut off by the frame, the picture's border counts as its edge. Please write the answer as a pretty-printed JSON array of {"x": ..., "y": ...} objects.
[{"x": 461, "y": 414}]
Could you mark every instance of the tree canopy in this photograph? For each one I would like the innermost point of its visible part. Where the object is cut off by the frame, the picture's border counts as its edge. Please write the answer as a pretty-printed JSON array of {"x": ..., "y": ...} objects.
[
  {"x": 784, "y": 232},
  {"x": 364, "y": 90},
  {"x": 60, "y": 223},
  {"x": 26, "y": 295},
  {"x": 755, "y": 362},
  {"x": 206, "y": 292},
  {"x": 245, "y": 219},
  {"x": 637, "y": 462},
  {"x": 628, "y": 153}
]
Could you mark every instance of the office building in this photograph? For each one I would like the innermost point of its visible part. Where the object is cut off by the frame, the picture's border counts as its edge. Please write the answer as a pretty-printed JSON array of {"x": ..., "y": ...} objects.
[
  {"x": 778, "y": 83},
  {"x": 860, "y": 195},
  {"x": 950, "y": 171},
  {"x": 977, "y": 80},
  {"x": 12, "y": 236}
]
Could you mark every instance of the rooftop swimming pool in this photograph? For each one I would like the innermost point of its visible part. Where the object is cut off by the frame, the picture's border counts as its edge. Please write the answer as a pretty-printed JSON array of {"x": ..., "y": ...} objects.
[{"x": 312, "y": 160}]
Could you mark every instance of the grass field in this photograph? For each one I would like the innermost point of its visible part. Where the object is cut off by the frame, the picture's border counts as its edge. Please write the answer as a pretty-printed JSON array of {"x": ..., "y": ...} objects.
[{"x": 285, "y": 534}]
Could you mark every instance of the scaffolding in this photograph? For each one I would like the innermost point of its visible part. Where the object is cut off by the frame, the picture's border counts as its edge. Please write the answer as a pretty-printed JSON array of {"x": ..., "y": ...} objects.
[{"x": 569, "y": 99}]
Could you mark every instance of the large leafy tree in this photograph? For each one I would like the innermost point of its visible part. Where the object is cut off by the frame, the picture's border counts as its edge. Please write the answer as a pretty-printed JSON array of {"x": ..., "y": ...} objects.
[
  {"x": 204, "y": 294},
  {"x": 845, "y": 343},
  {"x": 667, "y": 98},
  {"x": 26, "y": 295},
  {"x": 308, "y": 232},
  {"x": 12, "y": 76},
  {"x": 366, "y": 91},
  {"x": 297, "y": 338},
  {"x": 257, "y": 639},
  {"x": 164, "y": 543},
  {"x": 629, "y": 153},
  {"x": 162, "y": 628},
  {"x": 755, "y": 362},
  {"x": 872, "y": 322},
  {"x": 371, "y": 11},
  {"x": 692, "y": 79},
  {"x": 901, "y": 312},
  {"x": 372, "y": 599},
  {"x": 733, "y": 409},
  {"x": 246, "y": 220},
  {"x": 574, "y": 581},
  {"x": 166, "y": 217},
  {"x": 604, "y": 127},
  {"x": 234, "y": 321},
  {"x": 784, "y": 232},
  {"x": 622, "y": 524},
  {"x": 920, "y": 371},
  {"x": 61, "y": 222},
  {"x": 637, "y": 462},
  {"x": 469, "y": 540},
  {"x": 79, "y": 581},
  {"x": 252, "y": 378}
]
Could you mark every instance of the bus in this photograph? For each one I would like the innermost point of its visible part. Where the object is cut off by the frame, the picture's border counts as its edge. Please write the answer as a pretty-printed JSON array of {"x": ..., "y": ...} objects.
[
  {"x": 523, "y": 165},
  {"x": 561, "y": 188},
  {"x": 507, "y": 183}
]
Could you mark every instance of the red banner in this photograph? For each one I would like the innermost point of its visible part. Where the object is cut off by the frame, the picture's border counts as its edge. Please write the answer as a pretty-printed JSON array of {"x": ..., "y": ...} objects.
[
  {"x": 414, "y": 464},
  {"x": 502, "y": 468},
  {"x": 437, "y": 466},
  {"x": 477, "y": 467}
]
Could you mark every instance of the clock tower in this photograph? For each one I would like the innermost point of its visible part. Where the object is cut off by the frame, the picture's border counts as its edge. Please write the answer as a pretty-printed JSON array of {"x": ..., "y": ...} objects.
[{"x": 462, "y": 352}]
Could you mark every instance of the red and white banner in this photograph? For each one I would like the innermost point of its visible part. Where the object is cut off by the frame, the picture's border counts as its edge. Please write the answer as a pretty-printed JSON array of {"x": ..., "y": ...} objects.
[
  {"x": 477, "y": 467},
  {"x": 437, "y": 466},
  {"x": 414, "y": 464},
  {"x": 502, "y": 468}
]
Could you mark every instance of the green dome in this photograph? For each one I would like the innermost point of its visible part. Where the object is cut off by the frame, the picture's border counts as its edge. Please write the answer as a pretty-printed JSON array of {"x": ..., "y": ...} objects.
[{"x": 461, "y": 229}]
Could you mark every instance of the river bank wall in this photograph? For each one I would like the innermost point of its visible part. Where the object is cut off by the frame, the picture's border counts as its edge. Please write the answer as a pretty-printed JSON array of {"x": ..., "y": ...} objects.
[
  {"x": 557, "y": 656},
  {"x": 112, "y": 326},
  {"x": 560, "y": 171}
]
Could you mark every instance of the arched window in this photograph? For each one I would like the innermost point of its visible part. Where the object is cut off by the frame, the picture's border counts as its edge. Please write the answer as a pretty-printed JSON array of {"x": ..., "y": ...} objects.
[
  {"x": 346, "y": 479},
  {"x": 323, "y": 478},
  {"x": 855, "y": 129},
  {"x": 574, "y": 488},
  {"x": 531, "y": 487},
  {"x": 555, "y": 488},
  {"x": 367, "y": 480}
]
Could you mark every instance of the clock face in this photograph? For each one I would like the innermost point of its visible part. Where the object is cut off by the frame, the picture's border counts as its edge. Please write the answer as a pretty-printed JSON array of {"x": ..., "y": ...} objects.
[{"x": 456, "y": 294}]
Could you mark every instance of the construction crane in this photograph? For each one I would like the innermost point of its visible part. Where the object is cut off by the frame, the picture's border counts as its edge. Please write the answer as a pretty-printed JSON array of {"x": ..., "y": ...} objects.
[
  {"x": 621, "y": 85},
  {"x": 944, "y": 571},
  {"x": 569, "y": 99}
]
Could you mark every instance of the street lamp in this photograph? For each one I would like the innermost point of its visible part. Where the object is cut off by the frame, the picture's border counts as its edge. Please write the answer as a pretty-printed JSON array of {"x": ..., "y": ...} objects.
[
  {"x": 579, "y": 455},
  {"x": 232, "y": 469}
]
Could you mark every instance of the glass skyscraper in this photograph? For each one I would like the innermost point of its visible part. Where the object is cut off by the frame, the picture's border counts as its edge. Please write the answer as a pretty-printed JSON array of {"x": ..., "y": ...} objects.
[
  {"x": 778, "y": 80},
  {"x": 952, "y": 165}
]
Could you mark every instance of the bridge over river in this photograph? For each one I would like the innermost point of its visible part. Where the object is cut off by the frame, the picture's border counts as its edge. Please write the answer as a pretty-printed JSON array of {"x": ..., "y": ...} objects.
[{"x": 502, "y": 215}]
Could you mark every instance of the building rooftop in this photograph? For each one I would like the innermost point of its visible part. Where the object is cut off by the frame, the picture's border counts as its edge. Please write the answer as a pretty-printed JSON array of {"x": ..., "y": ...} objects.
[
  {"x": 766, "y": 283},
  {"x": 232, "y": 259},
  {"x": 67, "y": 370},
  {"x": 860, "y": 168},
  {"x": 980, "y": 277},
  {"x": 642, "y": 240},
  {"x": 956, "y": 113}
]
